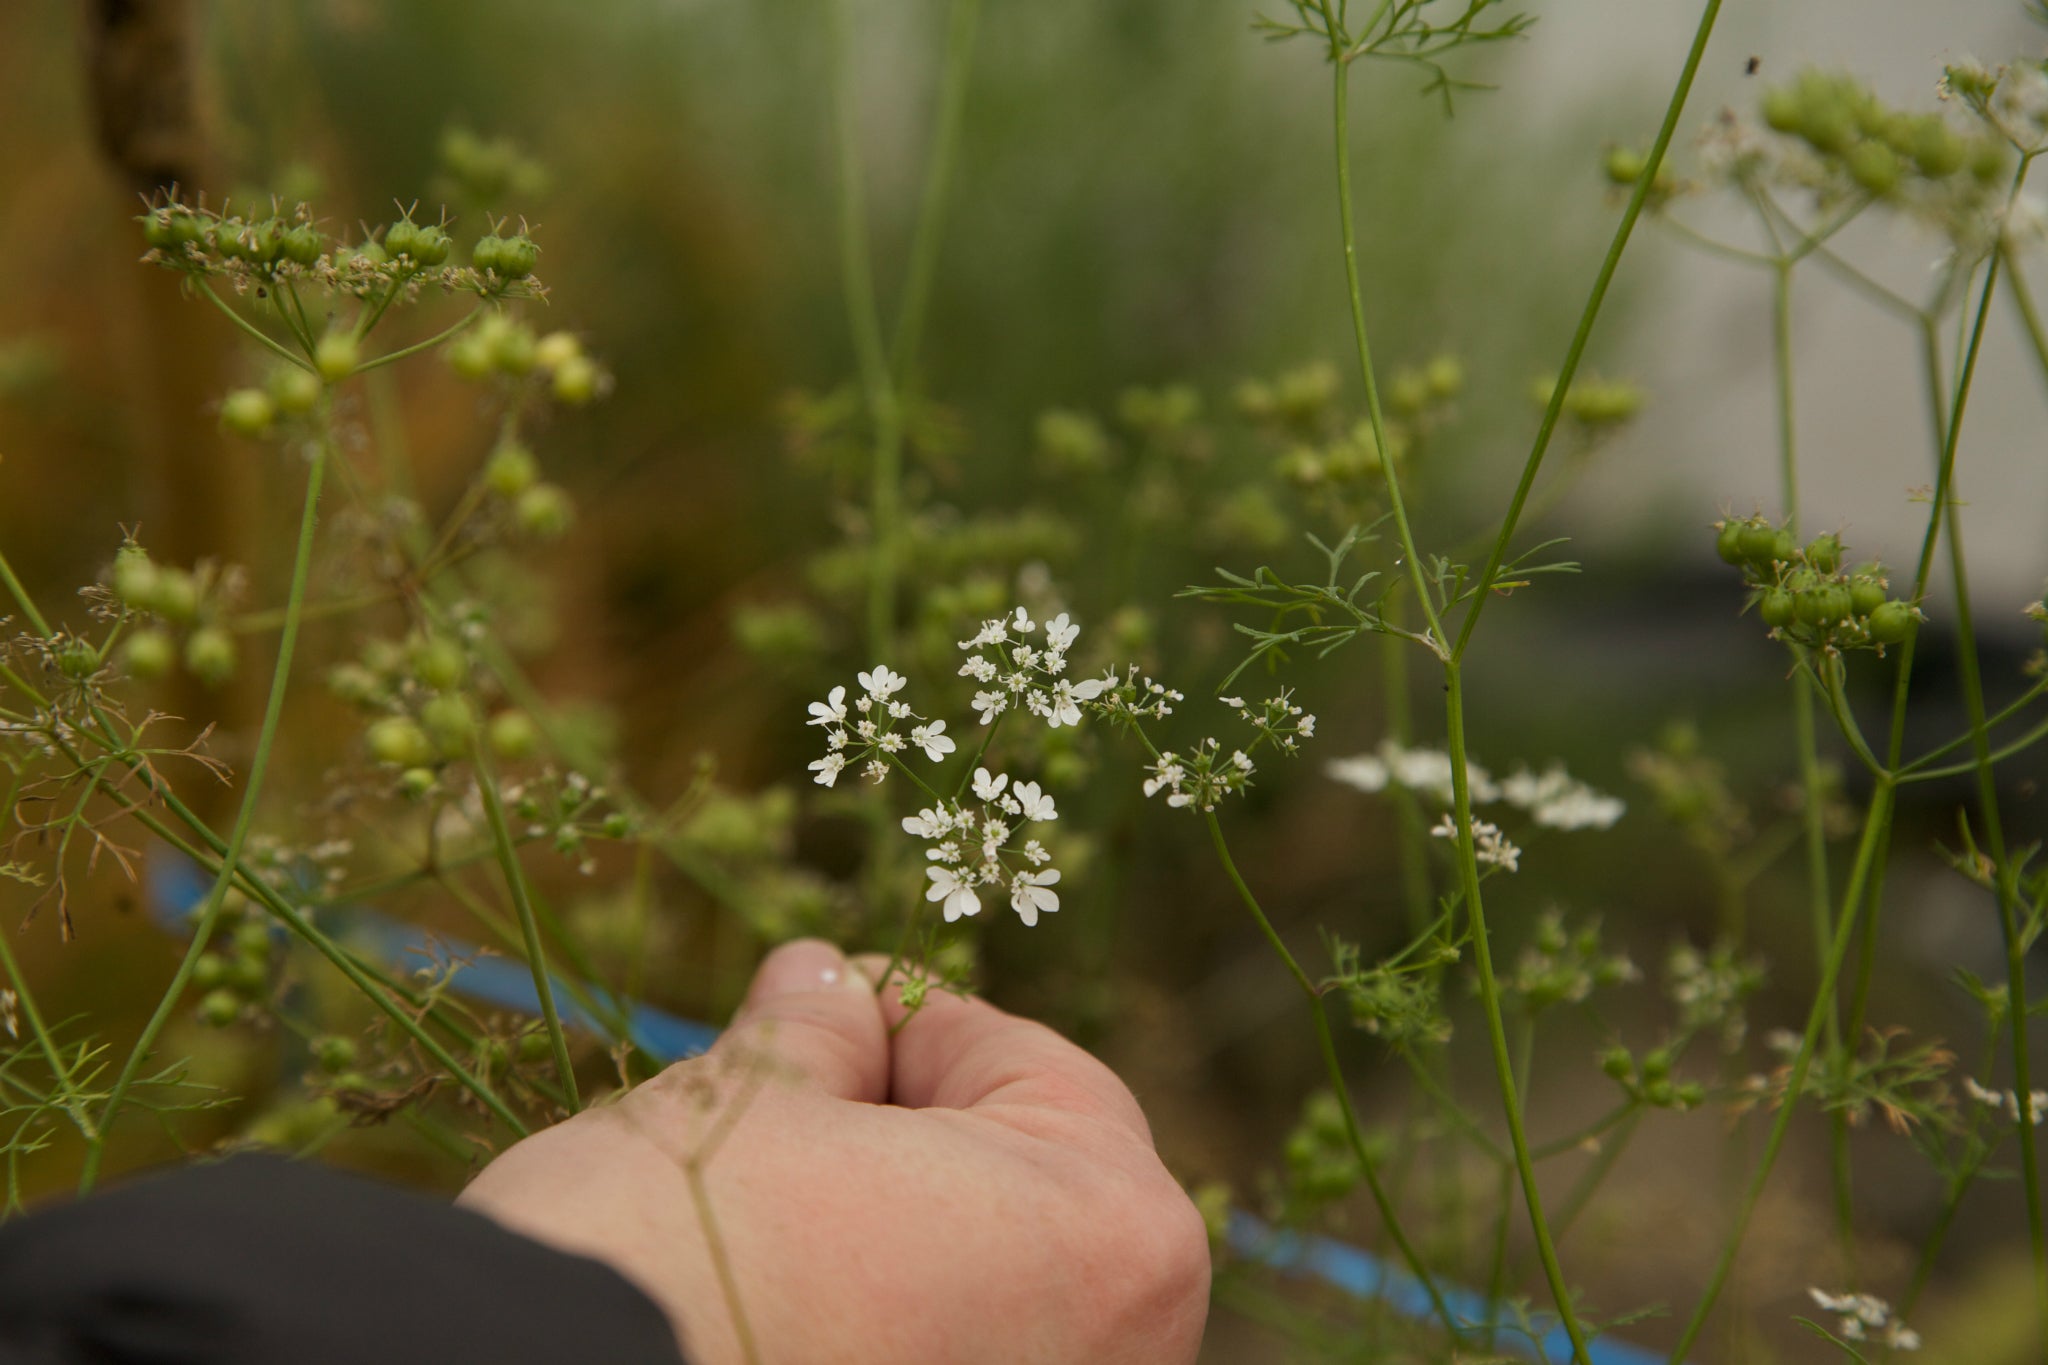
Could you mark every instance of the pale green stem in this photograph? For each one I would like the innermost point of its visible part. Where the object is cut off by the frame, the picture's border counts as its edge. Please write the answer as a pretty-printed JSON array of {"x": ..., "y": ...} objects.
[
  {"x": 256, "y": 333},
  {"x": 1335, "y": 1072},
  {"x": 245, "y": 817},
  {"x": 522, "y": 906}
]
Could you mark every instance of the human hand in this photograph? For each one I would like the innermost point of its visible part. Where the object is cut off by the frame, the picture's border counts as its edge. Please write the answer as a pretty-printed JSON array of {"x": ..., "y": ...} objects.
[{"x": 975, "y": 1188}]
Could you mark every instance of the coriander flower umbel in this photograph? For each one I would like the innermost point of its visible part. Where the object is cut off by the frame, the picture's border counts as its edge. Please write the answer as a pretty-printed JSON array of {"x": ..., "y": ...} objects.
[
  {"x": 1277, "y": 719},
  {"x": 1200, "y": 780},
  {"x": 972, "y": 848},
  {"x": 1025, "y": 674},
  {"x": 1489, "y": 845},
  {"x": 866, "y": 733}
]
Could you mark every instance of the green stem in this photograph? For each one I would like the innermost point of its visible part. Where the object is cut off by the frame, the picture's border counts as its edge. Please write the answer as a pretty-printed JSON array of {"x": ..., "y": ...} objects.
[
  {"x": 259, "y": 764},
  {"x": 870, "y": 352},
  {"x": 1489, "y": 995},
  {"x": 931, "y": 211},
  {"x": 1554, "y": 409},
  {"x": 1335, "y": 1072},
  {"x": 391, "y": 357},
  {"x": 522, "y": 905},
  {"x": 1845, "y": 926},
  {"x": 59, "y": 1068},
  {"x": 261, "y": 337}
]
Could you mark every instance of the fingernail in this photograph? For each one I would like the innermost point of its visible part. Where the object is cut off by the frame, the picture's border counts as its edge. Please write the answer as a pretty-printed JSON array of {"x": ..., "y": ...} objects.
[{"x": 809, "y": 964}]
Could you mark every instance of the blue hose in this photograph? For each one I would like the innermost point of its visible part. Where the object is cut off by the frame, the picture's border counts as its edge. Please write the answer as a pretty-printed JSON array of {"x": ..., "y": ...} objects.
[{"x": 176, "y": 889}]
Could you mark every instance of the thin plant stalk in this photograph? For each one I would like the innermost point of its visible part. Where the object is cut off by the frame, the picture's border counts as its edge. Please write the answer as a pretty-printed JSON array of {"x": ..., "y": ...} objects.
[
  {"x": 529, "y": 928},
  {"x": 1367, "y": 1166},
  {"x": 259, "y": 765}
]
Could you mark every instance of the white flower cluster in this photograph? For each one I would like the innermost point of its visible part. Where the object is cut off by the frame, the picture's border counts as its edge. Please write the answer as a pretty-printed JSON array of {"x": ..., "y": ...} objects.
[
  {"x": 1865, "y": 1317},
  {"x": 1200, "y": 780},
  {"x": 1133, "y": 698},
  {"x": 971, "y": 848},
  {"x": 1489, "y": 845},
  {"x": 868, "y": 735},
  {"x": 1553, "y": 798},
  {"x": 2009, "y": 1101},
  {"x": 1277, "y": 719},
  {"x": 1016, "y": 672}
]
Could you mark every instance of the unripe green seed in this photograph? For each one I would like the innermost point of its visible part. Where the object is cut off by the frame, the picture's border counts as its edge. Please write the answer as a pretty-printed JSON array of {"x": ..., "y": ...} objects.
[
  {"x": 575, "y": 381},
  {"x": 248, "y": 412},
  {"x": 1781, "y": 109},
  {"x": 513, "y": 735},
  {"x": 485, "y": 254},
  {"x": 439, "y": 662},
  {"x": 295, "y": 391},
  {"x": 209, "y": 971},
  {"x": 334, "y": 1053},
  {"x": 134, "y": 578},
  {"x": 355, "y": 684},
  {"x": 544, "y": 512},
  {"x": 177, "y": 596},
  {"x": 1618, "y": 1063},
  {"x": 1691, "y": 1095},
  {"x": 1776, "y": 607},
  {"x": 402, "y": 238},
  {"x": 559, "y": 348},
  {"x": 1624, "y": 165},
  {"x": 210, "y": 655},
  {"x": 1936, "y": 148},
  {"x": 1657, "y": 1064},
  {"x": 220, "y": 1008},
  {"x": 1873, "y": 166},
  {"x": 249, "y": 975},
  {"x": 302, "y": 245},
  {"x": 1445, "y": 375},
  {"x": 617, "y": 825},
  {"x": 415, "y": 783},
  {"x": 471, "y": 356},
  {"x": 430, "y": 245},
  {"x": 354, "y": 1082},
  {"x": 517, "y": 256},
  {"x": 512, "y": 348},
  {"x": 1866, "y": 595},
  {"x": 1784, "y": 548},
  {"x": 1759, "y": 542},
  {"x": 1728, "y": 542},
  {"x": 399, "y": 742},
  {"x": 1892, "y": 623},
  {"x": 1663, "y": 1094},
  {"x": 149, "y": 654},
  {"x": 252, "y": 937},
  {"x": 262, "y": 242},
  {"x": 450, "y": 723},
  {"x": 1824, "y": 552},
  {"x": 534, "y": 1047},
  {"x": 335, "y": 356},
  {"x": 512, "y": 470}
]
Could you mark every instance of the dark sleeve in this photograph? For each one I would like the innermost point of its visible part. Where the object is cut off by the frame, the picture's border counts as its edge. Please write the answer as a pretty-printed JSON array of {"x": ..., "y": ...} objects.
[{"x": 259, "y": 1261}]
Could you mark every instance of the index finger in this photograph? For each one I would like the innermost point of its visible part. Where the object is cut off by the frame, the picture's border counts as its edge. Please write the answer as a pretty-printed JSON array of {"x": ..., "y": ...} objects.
[{"x": 963, "y": 1053}]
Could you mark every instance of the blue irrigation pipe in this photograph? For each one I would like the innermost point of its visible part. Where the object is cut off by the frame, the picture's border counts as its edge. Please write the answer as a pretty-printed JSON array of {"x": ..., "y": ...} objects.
[{"x": 176, "y": 890}]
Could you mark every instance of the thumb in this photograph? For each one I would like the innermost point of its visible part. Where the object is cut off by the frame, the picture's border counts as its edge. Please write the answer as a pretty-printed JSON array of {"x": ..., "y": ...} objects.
[{"x": 811, "y": 1011}]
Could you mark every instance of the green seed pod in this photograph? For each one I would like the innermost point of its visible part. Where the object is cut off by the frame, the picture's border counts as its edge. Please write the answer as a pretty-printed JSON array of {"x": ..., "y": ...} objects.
[
  {"x": 1662, "y": 1094},
  {"x": 430, "y": 245},
  {"x": 575, "y": 381},
  {"x": 399, "y": 742},
  {"x": 209, "y": 971},
  {"x": 1892, "y": 623},
  {"x": 1784, "y": 548},
  {"x": 1866, "y": 595},
  {"x": 210, "y": 655},
  {"x": 252, "y": 938},
  {"x": 249, "y": 975},
  {"x": 544, "y": 512},
  {"x": 335, "y": 356},
  {"x": 1936, "y": 148},
  {"x": 248, "y": 412},
  {"x": 471, "y": 356},
  {"x": 302, "y": 245},
  {"x": 262, "y": 242},
  {"x": 177, "y": 596},
  {"x": 1407, "y": 392},
  {"x": 485, "y": 254},
  {"x": 402, "y": 238},
  {"x": 512, "y": 470},
  {"x": 1873, "y": 166},
  {"x": 1728, "y": 541},
  {"x": 295, "y": 391},
  {"x": 1657, "y": 1064},
  {"x": 1445, "y": 375},
  {"x": 353, "y": 1082},
  {"x": 1824, "y": 552},
  {"x": 1618, "y": 1063},
  {"x": 1826, "y": 605},
  {"x": 415, "y": 783},
  {"x": 1781, "y": 109},
  {"x": 513, "y": 735},
  {"x": 617, "y": 825},
  {"x": 557, "y": 349},
  {"x": 535, "y": 1047},
  {"x": 512, "y": 347},
  {"x": 450, "y": 723},
  {"x": 1759, "y": 542},
  {"x": 1623, "y": 165},
  {"x": 1691, "y": 1095},
  {"x": 134, "y": 577},
  {"x": 149, "y": 654},
  {"x": 333, "y": 1052},
  {"x": 517, "y": 256},
  {"x": 1776, "y": 607},
  {"x": 355, "y": 684},
  {"x": 220, "y": 1008},
  {"x": 1987, "y": 160},
  {"x": 439, "y": 662}
]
